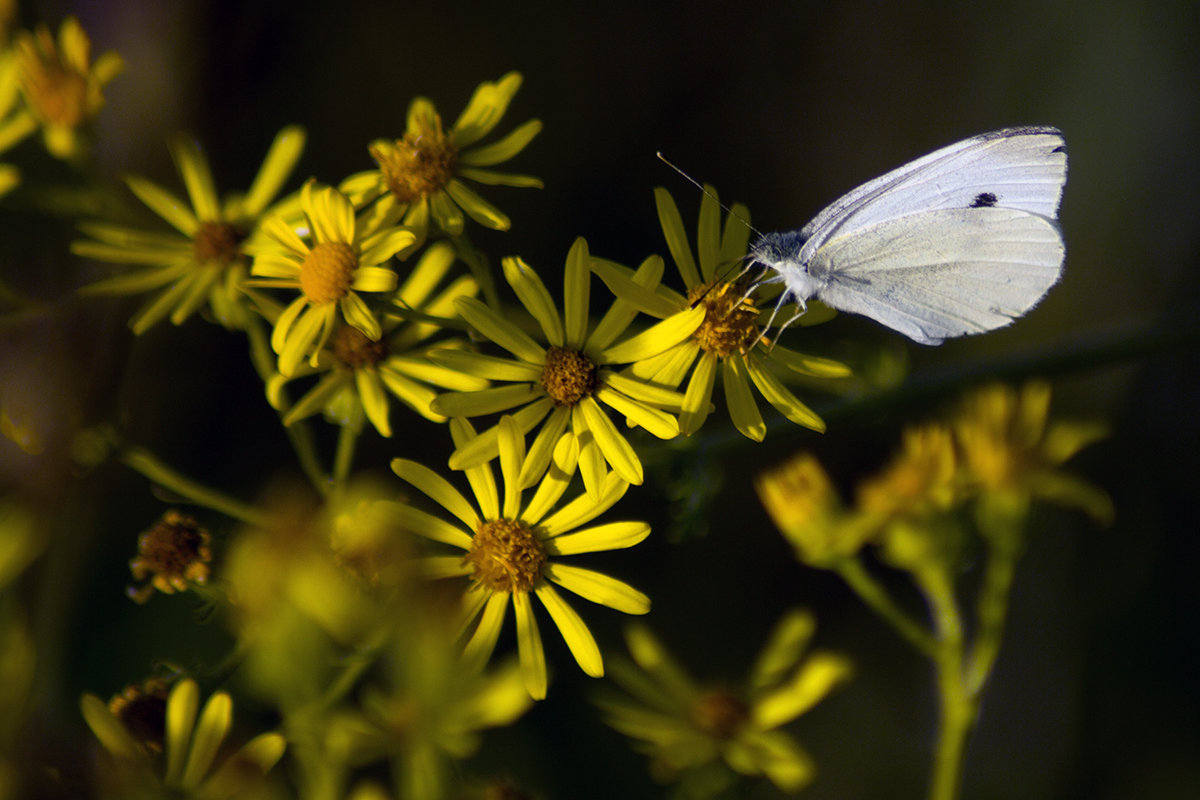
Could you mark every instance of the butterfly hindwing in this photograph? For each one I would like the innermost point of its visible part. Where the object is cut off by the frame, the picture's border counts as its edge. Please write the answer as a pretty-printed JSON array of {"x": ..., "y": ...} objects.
[{"x": 943, "y": 273}]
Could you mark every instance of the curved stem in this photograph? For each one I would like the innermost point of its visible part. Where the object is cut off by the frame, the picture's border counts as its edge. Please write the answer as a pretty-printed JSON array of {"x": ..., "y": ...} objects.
[
  {"x": 1001, "y": 522},
  {"x": 958, "y": 704},
  {"x": 347, "y": 440},
  {"x": 148, "y": 464},
  {"x": 299, "y": 434},
  {"x": 876, "y": 597}
]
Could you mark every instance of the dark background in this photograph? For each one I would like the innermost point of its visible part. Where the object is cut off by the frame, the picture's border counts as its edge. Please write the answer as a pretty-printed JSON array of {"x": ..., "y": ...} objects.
[{"x": 783, "y": 106}]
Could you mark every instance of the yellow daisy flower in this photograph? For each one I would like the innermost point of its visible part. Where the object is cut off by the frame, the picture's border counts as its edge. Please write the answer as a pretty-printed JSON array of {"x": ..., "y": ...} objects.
[
  {"x": 427, "y": 709},
  {"x": 1011, "y": 448},
  {"x": 421, "y": 176},
  {"x": 206, "y": 261},
  {"x": 512, "y": 549},
  {"x": 685, "y": 726},
  {"x": 344, "y": 259},
  {"x": 730, "y": 336},
  {"x": 61, "y": 86},
  {"x": 565, "y": 383},
  {"x": 16, "y": 122},
  {"x": 146, "y": 720},
  {"x": 358, "y": 374}
]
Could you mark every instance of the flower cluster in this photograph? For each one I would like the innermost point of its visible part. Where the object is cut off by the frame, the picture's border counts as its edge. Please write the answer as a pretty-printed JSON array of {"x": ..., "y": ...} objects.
[
  {"x": 367, "y": 611},
  {"x": 999, "y": 449}
]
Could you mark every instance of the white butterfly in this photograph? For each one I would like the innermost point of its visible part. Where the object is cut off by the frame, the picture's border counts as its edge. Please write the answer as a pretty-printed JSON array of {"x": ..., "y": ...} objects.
[{"x": 961, "y": 241}]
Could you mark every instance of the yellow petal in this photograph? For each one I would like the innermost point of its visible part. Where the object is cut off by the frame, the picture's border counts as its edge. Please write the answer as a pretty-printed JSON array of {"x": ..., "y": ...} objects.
[{"x": 574, "y": 631}]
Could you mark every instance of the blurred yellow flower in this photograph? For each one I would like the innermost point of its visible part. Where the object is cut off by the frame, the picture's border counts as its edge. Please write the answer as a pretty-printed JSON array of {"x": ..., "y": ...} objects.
[
  {"x": 206, "y": 261},
  {"x": 804, "y": 505},
  {"x": 16, "y": 121},
  {"x": 146, "y": 720},
  {"x": 1010, "y": 447},
  {"x": 922, "y": 479},
  {"x": 686, "y": 727},
  {"x": 427, "y": 709},
  {"x": 61, "y": 86}
]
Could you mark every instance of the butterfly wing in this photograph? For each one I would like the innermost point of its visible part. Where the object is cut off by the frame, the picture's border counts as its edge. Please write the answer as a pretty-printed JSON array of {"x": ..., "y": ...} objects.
[
  {"x": 942, "y": 273},
  {"x": 1015, "y": 168}
]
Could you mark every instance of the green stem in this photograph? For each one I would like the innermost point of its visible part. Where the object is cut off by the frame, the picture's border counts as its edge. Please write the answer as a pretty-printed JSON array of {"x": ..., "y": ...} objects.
[
  {"x": 148, "y": 464},
  {"x": 299, "y": 433},
  {"x": 876, "y": 597},
  {"x": 958, "y": 705},
  {"x": 344, "y": 460},
  {"x": 355, "y": 665},
  {"x": 1001, "y": 522},
  {"x": 993, "y": 610}
]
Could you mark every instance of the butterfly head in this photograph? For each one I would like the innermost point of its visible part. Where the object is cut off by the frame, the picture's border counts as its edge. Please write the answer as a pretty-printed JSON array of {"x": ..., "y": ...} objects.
[{"x": 782, "y": 255}]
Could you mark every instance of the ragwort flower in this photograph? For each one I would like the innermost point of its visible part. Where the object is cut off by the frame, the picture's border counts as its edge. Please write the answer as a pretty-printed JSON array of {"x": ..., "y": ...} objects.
[
  {"x": 357, "y": 374},
  {"x": 207, "y": 260},
  {"x": 61, "y": 86},
  {"x": 565, "y": 383},
  {"x": 805, "y": 506},
  {"x": 16, "y": 122},
  {"x": 1009, "y": 447},
  {"x": 142, "y": 722},
  {"x": 421, "y": 175},
  {"x": 512, "y": 549},
  {"x": 344, "y": 258},
  {"x": 686, "y": 727},
  {"x": 730, "y": 336},
  {"x": 429, "y": 708}
]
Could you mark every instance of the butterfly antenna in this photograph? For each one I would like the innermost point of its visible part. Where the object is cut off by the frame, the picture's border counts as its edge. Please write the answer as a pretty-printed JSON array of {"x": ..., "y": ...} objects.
[{"x": 707, "y": 193}]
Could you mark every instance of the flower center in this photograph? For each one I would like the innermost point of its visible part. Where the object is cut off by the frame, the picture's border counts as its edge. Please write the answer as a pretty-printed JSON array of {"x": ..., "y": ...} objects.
[
  {"x": 143, "y": 712},
  {"x": 419, "y": 164},
  {"x": 57, "y": 95},
  {"x": 506, "y": 556},
  {"x": 327, "y": 271},
  {"x": 218, "y": 242},
  {"x": 719, "y": 714},
  {"x": 568, "y": 376},
  {"x": 352, "y": 347},
  {"x": 730, "y": 323}
]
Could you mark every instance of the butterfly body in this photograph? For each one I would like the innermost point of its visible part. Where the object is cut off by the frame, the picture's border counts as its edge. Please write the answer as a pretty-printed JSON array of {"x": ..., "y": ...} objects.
[{"x": 961, "y": 241}]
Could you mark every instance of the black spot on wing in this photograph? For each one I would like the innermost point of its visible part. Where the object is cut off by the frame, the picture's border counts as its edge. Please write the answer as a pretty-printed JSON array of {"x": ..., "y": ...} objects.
[{"x": 984, "y": 200}]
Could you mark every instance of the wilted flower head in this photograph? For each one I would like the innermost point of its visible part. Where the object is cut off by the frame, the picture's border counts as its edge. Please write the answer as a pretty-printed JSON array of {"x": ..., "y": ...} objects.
[{"x": 174, "y": 553}]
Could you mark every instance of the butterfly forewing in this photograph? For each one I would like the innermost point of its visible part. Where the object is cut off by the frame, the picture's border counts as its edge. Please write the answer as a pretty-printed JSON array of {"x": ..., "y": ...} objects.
[{"x": 1016, "y": 168}]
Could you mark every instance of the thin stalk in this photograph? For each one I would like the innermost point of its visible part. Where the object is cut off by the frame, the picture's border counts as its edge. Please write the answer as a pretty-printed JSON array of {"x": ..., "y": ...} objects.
[
  {"x": 344, "y": 459},
  {"x": 299, "y": 433},
  {"x": 876, "y": 597},
  {"x": 148, "y": 464},
  {"x": 958, "y": 705}
]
